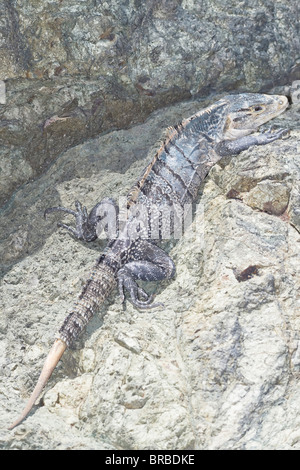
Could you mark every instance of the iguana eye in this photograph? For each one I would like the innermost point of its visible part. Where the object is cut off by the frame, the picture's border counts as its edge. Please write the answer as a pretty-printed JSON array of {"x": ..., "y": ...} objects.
[{"x": 257, "y": 108}]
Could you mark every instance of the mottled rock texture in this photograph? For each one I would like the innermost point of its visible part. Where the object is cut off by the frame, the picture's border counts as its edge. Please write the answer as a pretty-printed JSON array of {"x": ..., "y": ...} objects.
[
  {"x": 218, "y": 366},
  {"x": 90, "y": 85},
  {"x": 74, "y": 69}
]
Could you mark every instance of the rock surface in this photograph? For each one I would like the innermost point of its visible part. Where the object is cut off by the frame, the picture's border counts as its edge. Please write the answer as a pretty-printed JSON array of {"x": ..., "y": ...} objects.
[
  {"x": 218, "y": 366},
  {"x": 77, "y": 68}
]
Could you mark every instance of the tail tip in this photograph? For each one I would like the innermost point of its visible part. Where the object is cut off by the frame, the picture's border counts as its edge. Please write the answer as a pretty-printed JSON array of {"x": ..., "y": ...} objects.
[{"x": 51, "y": 361}]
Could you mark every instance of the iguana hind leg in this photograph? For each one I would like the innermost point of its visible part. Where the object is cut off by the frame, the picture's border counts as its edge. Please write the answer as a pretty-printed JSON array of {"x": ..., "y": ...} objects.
[
  {"x": 148, "y": 262},
  {"x": 89, "y": 226}
]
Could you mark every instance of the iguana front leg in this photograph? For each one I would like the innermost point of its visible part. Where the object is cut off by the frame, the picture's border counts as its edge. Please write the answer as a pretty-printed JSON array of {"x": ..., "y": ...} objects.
[
  {"x": 234, "y": 147},
  {"x": 89, "y": 226}
]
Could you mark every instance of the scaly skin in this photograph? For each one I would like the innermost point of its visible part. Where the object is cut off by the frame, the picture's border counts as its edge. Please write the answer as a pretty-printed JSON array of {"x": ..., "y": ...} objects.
[{"x": 172, "y": 177}]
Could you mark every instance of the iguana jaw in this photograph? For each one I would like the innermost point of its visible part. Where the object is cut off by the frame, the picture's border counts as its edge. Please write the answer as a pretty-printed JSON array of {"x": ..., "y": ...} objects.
[{"x": 247, "y": 113}]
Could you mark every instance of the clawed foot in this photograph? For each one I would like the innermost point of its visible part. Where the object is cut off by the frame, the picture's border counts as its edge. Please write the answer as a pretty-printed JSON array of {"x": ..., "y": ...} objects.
[
  {"x": 270, "y": 134},
  {"x": 81, "y": 217},
  {"x": 125, "y": 281}
]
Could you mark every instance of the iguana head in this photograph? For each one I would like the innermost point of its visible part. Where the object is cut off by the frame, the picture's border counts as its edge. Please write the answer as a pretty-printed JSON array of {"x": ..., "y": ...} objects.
[{"x": 248, "y": 111}]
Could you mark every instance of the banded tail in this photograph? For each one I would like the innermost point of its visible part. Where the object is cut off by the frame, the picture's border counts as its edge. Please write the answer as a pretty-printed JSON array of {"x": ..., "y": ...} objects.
[{"x": 96, "y": 289}]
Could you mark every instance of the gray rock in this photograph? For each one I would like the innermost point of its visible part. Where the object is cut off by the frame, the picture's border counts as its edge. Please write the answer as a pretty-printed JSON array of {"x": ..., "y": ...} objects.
[
  {"x": 217, "y": 367},
  {"x": 76, "y": 69}
]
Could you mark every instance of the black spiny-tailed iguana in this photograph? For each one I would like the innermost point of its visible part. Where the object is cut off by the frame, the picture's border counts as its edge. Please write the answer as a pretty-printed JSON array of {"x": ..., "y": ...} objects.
[{"x": 172, "y": 178}]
